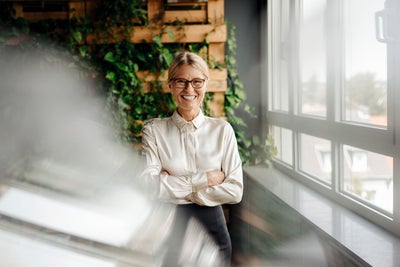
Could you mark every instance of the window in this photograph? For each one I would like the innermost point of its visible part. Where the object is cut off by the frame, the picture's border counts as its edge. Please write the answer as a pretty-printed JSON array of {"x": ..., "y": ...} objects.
[
  {"x": 356, "y": 159},
  {"x": 312, "y": 58},
  {"x": 315, "y": 157},
  {"x": 333, "y": 86},
  {"x": 365, "y": 78},
  {"x": 284, "y": 142},
  {"x": 279, "y": 99},
  {"x": 368, "y": 176}
]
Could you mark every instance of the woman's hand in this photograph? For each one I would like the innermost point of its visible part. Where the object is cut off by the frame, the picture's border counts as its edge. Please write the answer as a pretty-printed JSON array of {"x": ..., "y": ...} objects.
[{"x": 215, "y": 177}]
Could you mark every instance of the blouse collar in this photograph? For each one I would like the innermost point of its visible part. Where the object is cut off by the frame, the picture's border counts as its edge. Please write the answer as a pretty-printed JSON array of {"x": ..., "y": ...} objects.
[{"x": 181, "y": 122}]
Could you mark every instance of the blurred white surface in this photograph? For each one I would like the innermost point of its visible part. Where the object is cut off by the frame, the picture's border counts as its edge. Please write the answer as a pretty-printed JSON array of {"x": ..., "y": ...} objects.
[
  {"x": 67, "y": 181},
  {"x": 20, "y": 251},
  {"x": 114, "y": 225}
]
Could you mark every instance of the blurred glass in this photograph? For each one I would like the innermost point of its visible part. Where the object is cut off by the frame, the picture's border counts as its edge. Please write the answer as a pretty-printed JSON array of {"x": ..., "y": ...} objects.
[
  {"x": 368, "y": 176},
  {"x": 284, "y": 142},
  {"x": 365, "y": 58},
  {"x": 279, "y": 89},
  {"x": 313, "y": 58},
  {"x": 17, "y": 250},
  {"x": 315, "y": 157}
]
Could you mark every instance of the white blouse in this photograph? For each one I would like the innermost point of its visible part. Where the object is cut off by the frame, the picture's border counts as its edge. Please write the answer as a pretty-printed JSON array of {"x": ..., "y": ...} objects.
[{"x": 187, "y": 150}]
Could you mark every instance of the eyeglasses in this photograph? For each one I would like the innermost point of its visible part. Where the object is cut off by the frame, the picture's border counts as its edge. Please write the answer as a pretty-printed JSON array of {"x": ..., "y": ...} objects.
[{"x": 183, "y": 83}]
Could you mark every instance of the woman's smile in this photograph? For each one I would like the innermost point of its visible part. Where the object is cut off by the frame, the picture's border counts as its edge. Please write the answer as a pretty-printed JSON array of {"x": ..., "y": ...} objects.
[{"x": 189, "y": 97}]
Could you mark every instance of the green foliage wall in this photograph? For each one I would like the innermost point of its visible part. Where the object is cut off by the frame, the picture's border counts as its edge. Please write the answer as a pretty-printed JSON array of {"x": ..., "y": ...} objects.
[{"x": 113, "y": 67}]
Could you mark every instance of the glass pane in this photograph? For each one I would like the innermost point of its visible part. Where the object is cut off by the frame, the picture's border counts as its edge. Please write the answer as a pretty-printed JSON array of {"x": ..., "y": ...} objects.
[
  {"x": 312, "y": 58},
  {"x": 315, "y": 157},
  {"x": 284, "y": 142},
  {"x": 369, "y": 176},
  {"x": 279, "y": 56},
  {"x": 365, "y": 64}
]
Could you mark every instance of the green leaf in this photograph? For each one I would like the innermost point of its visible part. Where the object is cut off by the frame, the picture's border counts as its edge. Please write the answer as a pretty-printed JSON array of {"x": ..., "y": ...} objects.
[
  {"x": 83, "y": 50},
  {"x": 122, "y": 81},
  {"x": 167, "y": 56},
  {"x": 141, "y": 57},
  {"x": 135, "y": 68},
  {"x": 110, "y": 76},
  {"x": 157, "y": 40},
  {"x": 109, "y": 57},
  {"x": 170, "y": 34},
  {"x": 77, "y": 36},
  {"x": 241, "y": 94},
  {"x": 240, "y": 122},
  {"x": 122, "y": 104},
  {"x": 122, "y": 66}
]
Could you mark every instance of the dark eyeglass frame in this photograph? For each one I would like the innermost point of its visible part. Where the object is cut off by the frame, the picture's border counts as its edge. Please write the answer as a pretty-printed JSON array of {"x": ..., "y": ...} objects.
[{"x": 186, "y": 82}]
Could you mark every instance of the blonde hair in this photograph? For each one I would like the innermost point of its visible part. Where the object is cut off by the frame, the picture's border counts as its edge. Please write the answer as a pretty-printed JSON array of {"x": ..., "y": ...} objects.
[{"x": 188, "y": 58}]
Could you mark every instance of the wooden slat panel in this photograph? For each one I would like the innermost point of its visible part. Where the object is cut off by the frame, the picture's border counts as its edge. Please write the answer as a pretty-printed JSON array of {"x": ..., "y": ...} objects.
[
  {"x": 188, "y": 5},
  {"x": 215, "y": 12},
  {"x": 19, "y": 13},
  {"x": 181, "y": 34},
  {"x": 185, "y": 16},
  {"x": 33, "y": 16},
  {"x": 186, "y": 12},
  {"x": 37, "y": 16},
  {"x": 217, "y": 105},
  {"x": 77, "y": 9},
  {"x": 216, "y": 52},
  {"x": 34, "y": 11},
  {"x": 154, "y": 10}
]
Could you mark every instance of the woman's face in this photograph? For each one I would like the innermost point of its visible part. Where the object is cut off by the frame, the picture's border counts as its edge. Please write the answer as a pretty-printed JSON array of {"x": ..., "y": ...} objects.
[{"x": 188, "y": 95}]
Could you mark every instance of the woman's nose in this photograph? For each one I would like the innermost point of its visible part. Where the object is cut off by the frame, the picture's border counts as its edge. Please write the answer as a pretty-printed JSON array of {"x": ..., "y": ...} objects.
[{"x": 189, "y": 86}]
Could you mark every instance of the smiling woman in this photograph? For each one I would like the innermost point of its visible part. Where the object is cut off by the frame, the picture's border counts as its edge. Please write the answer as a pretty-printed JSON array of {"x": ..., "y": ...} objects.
[{"x": 192, "y": 159}]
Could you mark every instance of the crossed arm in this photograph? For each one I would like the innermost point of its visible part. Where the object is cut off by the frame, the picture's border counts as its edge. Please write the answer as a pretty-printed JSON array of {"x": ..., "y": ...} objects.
[{"x": 208, "y": 188}]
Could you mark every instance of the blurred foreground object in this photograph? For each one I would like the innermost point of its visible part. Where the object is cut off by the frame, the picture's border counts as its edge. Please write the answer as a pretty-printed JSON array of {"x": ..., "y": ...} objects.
[{"x": 70, "y": 193}]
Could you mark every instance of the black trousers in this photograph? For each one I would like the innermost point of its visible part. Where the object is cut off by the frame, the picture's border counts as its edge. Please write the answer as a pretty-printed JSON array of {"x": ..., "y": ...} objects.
[{"x": 213, "y": 221}]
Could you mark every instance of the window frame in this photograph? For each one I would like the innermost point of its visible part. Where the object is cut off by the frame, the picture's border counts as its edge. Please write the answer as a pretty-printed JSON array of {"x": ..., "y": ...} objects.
[{"x": 333, "y": 127}]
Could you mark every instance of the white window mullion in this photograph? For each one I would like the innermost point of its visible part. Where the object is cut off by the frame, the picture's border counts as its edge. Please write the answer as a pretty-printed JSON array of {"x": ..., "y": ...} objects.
[
  {"x": 393, "y": 42},
  {"x": 295, "y": 8}
]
